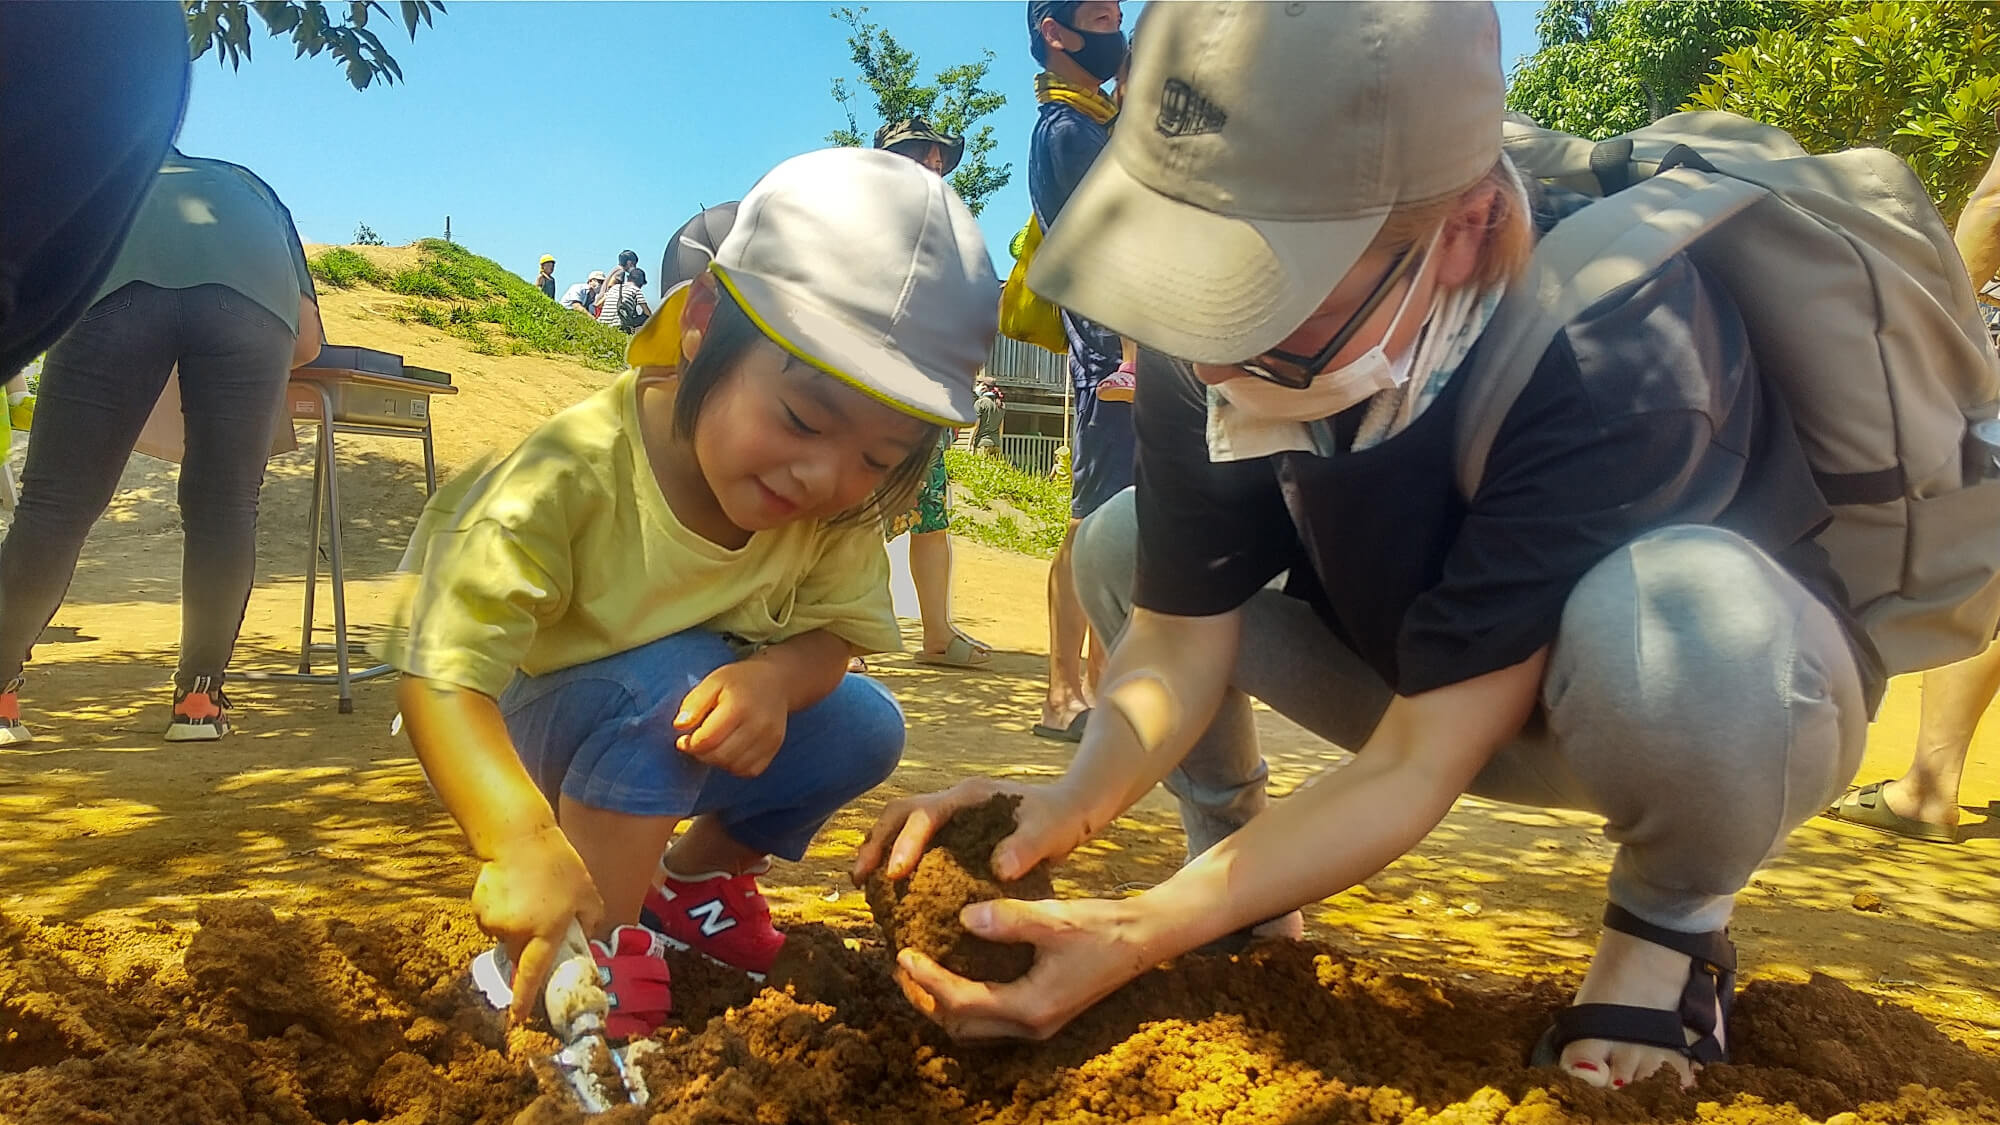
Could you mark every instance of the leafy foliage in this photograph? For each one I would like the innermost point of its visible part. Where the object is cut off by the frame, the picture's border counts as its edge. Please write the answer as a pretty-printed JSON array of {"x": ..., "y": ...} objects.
[
  {"x": 1919, "y": 79},
  {"x": 224, "y": 25},
  {"x": 364, "y": 235},
  {"x": 954, "y": 101},
  {"x": 1611, "y": 66}
]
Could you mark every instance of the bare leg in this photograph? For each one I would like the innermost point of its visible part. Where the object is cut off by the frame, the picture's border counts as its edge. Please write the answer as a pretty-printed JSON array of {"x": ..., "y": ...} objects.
[
  {"x": 619, "y": 850},
  {"x": 1067, "y": 627},
  {"x": 1955, "y": 697},
  {"x": 705, "y": 847},
  {"x": 930, "y": 573}
]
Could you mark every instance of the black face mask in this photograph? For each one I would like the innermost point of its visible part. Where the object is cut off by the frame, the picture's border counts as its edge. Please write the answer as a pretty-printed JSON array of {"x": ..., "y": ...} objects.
[{"x": 1102, "y": 53}]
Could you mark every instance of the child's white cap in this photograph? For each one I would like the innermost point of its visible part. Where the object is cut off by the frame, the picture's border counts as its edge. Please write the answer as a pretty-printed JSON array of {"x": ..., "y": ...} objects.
[{"x": 868, "y": 267}]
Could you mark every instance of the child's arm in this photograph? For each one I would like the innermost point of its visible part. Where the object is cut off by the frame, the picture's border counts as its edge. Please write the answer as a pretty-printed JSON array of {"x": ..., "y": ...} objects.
[
  {"x": 532, "y": 884},
  {"x": 735, "y": 718}
]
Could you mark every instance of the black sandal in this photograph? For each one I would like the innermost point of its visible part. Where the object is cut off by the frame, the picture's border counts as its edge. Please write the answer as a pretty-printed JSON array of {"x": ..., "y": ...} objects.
[{"x": 1711, "y": 984}]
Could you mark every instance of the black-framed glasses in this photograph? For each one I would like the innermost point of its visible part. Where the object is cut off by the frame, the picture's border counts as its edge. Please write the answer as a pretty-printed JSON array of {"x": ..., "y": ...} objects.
[{"x": 1297, "y": 372}]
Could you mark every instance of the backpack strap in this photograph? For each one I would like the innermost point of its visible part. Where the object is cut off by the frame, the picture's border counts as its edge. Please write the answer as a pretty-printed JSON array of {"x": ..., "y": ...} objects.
[{"x": 1599, "y": 250}]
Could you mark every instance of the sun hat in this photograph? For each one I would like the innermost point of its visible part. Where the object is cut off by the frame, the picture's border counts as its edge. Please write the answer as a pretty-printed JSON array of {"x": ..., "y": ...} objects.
[
  {"x": 595, "y": 275},
  {"x": 1260, "y": 149},
  {"x": 865, "y": 266},
  {"x": 916, "y": 130},
  {"x": 658, "y": 342},
  {"x": 547, "y": 258}
]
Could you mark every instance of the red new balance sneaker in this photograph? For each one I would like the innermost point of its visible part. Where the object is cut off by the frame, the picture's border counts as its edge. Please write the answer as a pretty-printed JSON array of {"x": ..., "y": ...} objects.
[
  {"x": 632, "y": 968},
  {"x": 722, "y": 917}
]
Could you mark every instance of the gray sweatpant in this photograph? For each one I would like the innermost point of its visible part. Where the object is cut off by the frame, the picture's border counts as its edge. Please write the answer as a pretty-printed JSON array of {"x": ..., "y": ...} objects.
[{"x": 1697, "y": 697}]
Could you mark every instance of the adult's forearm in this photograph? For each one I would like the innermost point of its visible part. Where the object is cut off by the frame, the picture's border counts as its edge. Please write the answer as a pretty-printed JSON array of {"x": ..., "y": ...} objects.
[
  {"x": 1344, "y": 827},
  {"x": 1161, "y": 687}
]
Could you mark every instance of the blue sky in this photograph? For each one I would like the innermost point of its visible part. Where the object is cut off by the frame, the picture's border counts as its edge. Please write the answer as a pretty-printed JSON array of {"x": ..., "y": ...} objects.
[{"x": 581, "y": 128}]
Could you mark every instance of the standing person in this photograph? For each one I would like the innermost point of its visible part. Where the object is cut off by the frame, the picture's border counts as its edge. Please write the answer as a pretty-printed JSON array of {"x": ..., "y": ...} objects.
[
  {"x": 992, "y": 417},
  {"x": 546, "y": 280},
  {"x": 1631, "y": 614},
  {"x": 918, "y": 140},
  {"x": 1923, "y": 803},
  {"x": 583, "y": 295},
  {"x": 91, "y": 96},
  {"x": 1080, "y": 47},
  {"x": 644, "y": 614},
  {"x": 622, "y": 303},
  {"x": 928, "y": 519},
  {"x": 212, "y": 278}
]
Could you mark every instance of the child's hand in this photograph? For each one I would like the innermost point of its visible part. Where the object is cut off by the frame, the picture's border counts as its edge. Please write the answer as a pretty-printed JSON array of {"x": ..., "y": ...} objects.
[
  {"x": 527, "y": 896},
  {"x": 735, "y": 718}
]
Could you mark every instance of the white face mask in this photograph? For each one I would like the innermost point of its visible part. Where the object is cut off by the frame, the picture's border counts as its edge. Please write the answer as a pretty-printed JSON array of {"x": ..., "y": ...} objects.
[{"x": 1335, "y": 389}]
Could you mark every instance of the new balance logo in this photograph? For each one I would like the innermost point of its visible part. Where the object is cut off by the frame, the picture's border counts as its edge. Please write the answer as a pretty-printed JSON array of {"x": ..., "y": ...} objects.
[
  {"x": 713, "y": 920},
  {"x": 1185, "y": 113}
]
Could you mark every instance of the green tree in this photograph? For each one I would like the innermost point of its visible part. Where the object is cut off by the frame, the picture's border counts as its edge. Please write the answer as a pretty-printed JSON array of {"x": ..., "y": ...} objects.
[
  {"x": 954, "y": 101},
  {"x": 1919, "y": 79},
  {"x": 1611, "y": 66},
  {"x": 364, "y": 235},
  {"x": 224, "y": 25}
]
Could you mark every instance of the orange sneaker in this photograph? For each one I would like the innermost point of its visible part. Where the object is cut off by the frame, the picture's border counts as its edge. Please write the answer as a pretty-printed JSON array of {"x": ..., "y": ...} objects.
[
  {"x": 12, "y": 729},
  {"x": 201, "y": 713}
]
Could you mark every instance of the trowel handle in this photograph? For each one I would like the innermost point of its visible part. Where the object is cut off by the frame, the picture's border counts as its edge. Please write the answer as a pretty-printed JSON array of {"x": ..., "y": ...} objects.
[{"x": 575, "y": 1001}]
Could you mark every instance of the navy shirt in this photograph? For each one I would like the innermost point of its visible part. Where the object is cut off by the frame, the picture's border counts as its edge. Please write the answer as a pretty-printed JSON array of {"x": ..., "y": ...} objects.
[
  {"x": 1646, "y": 411},
  {"x": 1064, "y": 145}
]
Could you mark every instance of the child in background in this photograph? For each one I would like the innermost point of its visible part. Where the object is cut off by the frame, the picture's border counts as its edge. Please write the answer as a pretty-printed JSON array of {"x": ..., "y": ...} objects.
[{"x": 645, "y": 613}]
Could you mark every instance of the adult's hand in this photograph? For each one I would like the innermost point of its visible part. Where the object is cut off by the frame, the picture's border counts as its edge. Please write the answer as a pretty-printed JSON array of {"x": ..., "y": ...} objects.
[
  {"x": 1085, "y": 949},
  {"x": 312, "y": 335},
  {"x": 1047, "y": 825}
]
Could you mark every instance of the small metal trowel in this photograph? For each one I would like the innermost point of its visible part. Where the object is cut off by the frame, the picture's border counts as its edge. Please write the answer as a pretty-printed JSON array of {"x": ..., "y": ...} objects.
[{"x": 578, "y": 1009}]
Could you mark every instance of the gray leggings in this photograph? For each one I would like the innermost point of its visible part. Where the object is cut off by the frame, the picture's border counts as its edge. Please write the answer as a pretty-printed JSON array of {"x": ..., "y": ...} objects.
[{"x": 1697, "y": 697}]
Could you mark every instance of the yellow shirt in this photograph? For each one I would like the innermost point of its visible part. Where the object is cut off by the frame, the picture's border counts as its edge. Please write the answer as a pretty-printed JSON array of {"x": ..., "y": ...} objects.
[{"x": 566, "y": 552}]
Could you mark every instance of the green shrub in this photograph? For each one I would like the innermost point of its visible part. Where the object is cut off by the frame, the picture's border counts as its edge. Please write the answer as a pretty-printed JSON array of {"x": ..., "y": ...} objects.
[{"x": 342, "y": 268}]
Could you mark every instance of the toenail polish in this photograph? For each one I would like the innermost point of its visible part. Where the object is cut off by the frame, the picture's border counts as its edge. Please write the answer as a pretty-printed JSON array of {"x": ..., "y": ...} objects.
[
  {"x": 1582, "y": 1065},
  {"x": 1618, "y": 1082}
]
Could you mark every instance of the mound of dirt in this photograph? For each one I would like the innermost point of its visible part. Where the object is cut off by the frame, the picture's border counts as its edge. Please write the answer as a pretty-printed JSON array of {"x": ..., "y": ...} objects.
[
  {"x": 920, "y": 911},
  {"x": 299, "y": 1021}
]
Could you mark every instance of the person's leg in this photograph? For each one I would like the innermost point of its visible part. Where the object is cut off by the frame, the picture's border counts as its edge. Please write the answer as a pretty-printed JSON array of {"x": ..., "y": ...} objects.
[
  {"x": 1955, "y": 697},
  {"x": 233, "y": 373},
  {"x": 930, "y": 570},
  {"x": 706, "y": 895},
  {"x": 98, "y": 387},
  {"x": 1100, "y": 468},
  {"x": 598, "y": 741},
  {"x": 1706, "y": 704},
  {"x": 1067, "y": 625}
]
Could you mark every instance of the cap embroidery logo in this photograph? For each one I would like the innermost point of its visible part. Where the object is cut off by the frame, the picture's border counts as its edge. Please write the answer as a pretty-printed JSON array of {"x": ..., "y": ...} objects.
[{"x": 1185, "y": 113}]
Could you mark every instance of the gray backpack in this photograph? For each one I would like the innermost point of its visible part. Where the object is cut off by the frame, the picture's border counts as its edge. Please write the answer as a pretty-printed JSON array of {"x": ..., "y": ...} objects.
[{"x": 1859, "y": 313}]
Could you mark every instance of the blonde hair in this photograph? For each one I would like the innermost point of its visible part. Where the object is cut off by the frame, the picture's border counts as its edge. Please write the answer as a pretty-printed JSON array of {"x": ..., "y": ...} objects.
[{"x": 1509, "y": 236}]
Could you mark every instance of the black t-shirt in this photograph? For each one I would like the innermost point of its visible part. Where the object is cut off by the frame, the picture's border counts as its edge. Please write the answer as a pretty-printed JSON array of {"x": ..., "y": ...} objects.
[{"x": 1645, "y": 412}]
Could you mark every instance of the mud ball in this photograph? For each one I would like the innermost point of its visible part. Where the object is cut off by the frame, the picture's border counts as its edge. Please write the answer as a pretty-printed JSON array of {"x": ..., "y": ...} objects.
[{"x": 921, "y": 912}]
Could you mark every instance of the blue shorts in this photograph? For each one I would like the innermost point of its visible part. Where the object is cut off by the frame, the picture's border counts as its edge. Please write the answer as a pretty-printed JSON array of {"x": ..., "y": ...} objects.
[
  {"x": 602, "y": 734},
  {"x": 1102, "y": 453}
]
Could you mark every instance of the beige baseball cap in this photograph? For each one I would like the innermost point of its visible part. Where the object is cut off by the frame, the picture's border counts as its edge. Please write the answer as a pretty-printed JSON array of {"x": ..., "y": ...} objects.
[
  {"x": 864, "y": 265},
  {"x": 1259, "y": 150}
]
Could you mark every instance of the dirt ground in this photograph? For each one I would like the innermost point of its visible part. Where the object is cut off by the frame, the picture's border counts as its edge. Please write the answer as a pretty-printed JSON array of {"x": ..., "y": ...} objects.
[{"x": 273, "y": 929}]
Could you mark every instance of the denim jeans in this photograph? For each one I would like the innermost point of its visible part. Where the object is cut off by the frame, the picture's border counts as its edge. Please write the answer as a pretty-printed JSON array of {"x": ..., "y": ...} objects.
[
  {"x": 602, "y": 734},
  {"x": 98, "y": 388},
  {"x": 1697, "y": 697}
]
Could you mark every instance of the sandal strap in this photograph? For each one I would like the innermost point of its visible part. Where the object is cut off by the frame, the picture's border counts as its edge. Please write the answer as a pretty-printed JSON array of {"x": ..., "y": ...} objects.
[{"x": 1711, "y": 983}]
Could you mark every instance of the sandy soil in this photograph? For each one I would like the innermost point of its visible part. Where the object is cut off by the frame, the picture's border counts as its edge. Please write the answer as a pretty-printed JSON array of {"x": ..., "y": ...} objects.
[{"x": 137, "y": 876}]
